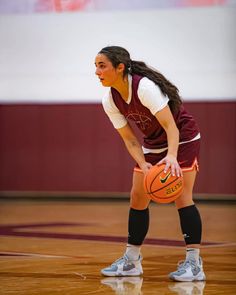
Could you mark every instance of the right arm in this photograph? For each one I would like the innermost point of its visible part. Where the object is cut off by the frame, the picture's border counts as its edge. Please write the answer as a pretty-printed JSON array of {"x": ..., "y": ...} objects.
[
  {"x": 134, "y": 148},
  {"x": 122, "y": 126}
]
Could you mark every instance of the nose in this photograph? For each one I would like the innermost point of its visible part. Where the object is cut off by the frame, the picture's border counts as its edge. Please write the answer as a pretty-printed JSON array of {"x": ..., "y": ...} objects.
[{"x": 97, "y": 72}]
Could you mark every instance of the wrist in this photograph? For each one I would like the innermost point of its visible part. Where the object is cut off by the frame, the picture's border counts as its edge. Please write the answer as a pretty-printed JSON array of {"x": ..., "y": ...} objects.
[
  {"x": 142, "y": 164},
  {"x": 172, "y": 154}
]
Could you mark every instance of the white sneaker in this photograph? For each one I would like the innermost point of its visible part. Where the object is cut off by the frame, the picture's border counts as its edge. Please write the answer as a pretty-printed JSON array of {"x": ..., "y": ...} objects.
[
  {"x": 188, "y": 271},
  {"x": 124, "y": 285},
  {"x": 188, "y": 288},
  {"x": 123, "y": 267}
]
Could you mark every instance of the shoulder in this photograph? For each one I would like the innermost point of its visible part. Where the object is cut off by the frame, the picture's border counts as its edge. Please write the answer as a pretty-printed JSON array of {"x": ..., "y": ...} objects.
[
  {"x": 148, "y": 86},
  {"x": 151, "y": 96},
  {"x": 118, "y": 120},
  {"x": 108, "y": 103},
  {"x": 106, "y": 98}
]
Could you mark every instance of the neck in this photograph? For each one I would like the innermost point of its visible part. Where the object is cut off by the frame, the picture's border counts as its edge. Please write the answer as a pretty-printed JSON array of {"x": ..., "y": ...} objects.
[{"x": 122, "y": 86}]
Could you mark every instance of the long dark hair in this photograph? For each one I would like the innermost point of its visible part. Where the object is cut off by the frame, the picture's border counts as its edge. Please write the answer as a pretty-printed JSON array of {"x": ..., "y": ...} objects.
[{"x": 117, "y": 55}]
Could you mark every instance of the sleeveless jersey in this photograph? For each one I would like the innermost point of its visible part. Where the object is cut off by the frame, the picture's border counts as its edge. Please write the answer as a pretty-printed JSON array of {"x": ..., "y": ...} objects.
[{"x": 154, "y": 135}]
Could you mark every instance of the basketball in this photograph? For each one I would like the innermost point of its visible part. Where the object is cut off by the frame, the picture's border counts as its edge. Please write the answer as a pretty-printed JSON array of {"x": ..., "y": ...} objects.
[{"x": 162, "y": 187}]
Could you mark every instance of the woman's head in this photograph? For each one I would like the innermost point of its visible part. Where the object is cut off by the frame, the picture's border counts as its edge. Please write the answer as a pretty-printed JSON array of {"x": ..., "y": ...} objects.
[
  {"x": 117, "y": 55},
  {"x": 112, "y": 64}
]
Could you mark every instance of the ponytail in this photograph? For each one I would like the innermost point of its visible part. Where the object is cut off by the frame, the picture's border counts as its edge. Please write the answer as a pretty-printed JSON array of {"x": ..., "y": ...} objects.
[{"x": 166, "y": 87}]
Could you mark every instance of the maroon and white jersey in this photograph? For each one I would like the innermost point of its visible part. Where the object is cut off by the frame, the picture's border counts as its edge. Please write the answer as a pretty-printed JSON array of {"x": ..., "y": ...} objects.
[{"x": 145, "y": 100}]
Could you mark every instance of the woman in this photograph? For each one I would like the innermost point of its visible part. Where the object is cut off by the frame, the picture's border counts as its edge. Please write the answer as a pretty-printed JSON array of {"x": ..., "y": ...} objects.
[{"x": 140, "y": 94}]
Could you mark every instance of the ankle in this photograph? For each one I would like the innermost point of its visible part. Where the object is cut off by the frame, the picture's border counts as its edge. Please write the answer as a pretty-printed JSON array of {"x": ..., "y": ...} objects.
[
  {"x": 133, "y": 252},
  {"x": 192, "y": 254}
]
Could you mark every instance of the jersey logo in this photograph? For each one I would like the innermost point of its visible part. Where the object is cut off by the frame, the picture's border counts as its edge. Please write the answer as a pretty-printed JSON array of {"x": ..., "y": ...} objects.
[
  {"x": 163, "y": 180},
  {"x": 142, "y": 120}
]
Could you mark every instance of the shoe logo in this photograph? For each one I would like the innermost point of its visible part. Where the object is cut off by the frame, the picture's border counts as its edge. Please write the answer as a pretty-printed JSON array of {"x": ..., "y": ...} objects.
[
  {"x": 195, "y": 270},
  {"x": 128, "y": 266},
  {"x": 163, "y": 180}
]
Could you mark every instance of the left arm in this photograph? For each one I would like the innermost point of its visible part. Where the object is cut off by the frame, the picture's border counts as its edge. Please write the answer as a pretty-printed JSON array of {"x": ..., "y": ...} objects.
[{"x": 165, "y": 118}]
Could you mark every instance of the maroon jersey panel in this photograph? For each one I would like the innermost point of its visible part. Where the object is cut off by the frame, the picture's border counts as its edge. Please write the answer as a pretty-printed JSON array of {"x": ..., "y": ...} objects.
[{"x": 154, "y": 134}]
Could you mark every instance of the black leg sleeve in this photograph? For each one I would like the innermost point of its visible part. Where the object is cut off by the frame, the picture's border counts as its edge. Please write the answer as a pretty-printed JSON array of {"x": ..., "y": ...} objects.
[
  {"x": 191, "y": 224},
  {"x": 138, "y": 226}
]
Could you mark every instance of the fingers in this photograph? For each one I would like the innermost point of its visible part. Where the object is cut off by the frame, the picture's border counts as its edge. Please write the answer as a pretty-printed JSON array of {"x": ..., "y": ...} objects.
[
  {"x": 173, "y": 165},
  {"x": 173, "y": 168},
  {"x": 176, "y": 170},
  {"x": 146, "y": 167},
  {"x": 168, "y": 165}
]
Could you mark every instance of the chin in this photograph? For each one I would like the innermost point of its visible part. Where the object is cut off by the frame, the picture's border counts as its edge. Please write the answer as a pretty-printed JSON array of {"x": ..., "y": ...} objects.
[{"x": 105, "y": 84}]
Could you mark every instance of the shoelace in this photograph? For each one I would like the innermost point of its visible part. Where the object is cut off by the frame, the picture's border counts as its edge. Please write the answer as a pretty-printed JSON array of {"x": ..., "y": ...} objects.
[
  {"x": 124, "y": 259},
  {"x": 120, "y": 260},
  {"x": 184, "y": 264}
]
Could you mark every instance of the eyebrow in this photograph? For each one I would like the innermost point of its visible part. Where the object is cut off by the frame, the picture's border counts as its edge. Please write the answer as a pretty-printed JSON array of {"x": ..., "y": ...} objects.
[{"x": 100, "y": 62}]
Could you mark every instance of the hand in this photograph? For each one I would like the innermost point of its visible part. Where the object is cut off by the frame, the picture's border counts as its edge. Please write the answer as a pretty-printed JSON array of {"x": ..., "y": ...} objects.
[
  {"x": 145, "y": 166},
  {"x": 171, "y": 162}
]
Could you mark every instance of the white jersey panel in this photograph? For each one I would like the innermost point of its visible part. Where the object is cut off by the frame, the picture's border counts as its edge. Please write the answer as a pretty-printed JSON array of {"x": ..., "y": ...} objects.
[
  {"x": 151, "y": 96},
  {"x": 118, "y": 120}
]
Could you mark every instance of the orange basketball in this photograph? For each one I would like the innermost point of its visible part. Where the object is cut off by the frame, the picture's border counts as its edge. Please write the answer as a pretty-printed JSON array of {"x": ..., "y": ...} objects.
[{"x": 162, "y": 187}]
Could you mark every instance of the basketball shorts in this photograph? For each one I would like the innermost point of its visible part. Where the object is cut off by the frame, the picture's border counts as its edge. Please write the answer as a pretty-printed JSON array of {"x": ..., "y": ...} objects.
[{"x": 188, "y": 156}]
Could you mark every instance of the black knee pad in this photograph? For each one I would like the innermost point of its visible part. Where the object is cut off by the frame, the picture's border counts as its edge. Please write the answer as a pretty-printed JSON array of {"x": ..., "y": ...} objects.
[
  {"x": 191, "y": 224},
  {"x": 138, "y": 226}
]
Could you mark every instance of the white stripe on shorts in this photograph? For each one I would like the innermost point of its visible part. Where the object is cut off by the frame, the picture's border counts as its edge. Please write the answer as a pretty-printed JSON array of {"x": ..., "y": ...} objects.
[{"x": 158, "y": 151}]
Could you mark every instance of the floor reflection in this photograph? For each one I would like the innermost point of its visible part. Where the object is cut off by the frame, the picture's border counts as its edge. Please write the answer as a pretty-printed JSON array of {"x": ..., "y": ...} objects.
[
  {"x": 124, "y": 285},
  {"x": 188, "y": 288},
  {"x": 133, "y": 286}
]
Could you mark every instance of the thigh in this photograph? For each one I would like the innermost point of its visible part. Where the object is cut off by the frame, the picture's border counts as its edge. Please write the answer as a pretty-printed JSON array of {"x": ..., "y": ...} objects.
[
  {"x": 186, "y": 199},
  {"x": 138, "y": 198}
]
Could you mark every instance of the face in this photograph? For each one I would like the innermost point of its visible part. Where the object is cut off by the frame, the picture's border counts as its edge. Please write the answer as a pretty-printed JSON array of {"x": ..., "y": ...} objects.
[{"x": 105, "y": 71}]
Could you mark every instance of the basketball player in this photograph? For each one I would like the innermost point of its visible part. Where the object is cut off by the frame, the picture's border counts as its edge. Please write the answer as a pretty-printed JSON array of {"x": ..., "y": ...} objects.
[{"x": 141, "y": 94}]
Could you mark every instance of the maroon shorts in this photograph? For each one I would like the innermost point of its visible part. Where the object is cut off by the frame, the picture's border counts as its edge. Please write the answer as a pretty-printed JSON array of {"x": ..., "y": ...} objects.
[{"x": 188, "y": 156}]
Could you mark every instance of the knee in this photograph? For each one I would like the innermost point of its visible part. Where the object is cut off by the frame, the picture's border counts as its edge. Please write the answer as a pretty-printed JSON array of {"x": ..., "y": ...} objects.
[
  {"x": 186, "y": 199},
  {"x": 138, "y": 201}
]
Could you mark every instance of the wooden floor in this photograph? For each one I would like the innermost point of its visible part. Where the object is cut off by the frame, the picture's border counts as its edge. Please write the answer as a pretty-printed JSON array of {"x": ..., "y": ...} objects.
[{"x": 59, "y": 248}]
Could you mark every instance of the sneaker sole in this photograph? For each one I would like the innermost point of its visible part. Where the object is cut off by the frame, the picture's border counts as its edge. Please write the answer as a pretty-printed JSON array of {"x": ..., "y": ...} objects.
[
  {"x": 121, "y": 274},
  {"x": 200, "y": 277}
]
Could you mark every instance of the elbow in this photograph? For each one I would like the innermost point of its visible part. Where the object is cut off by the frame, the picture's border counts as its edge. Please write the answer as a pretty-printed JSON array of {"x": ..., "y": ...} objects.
[{"x": 132, "y": 143}]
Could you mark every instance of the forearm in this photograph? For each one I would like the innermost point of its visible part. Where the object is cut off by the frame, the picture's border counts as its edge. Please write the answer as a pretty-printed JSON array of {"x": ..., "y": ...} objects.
[
  {"x": 173, "y": 140},
  {"x": 135, "y": 150},
  {"x": 167, "y": 122}
]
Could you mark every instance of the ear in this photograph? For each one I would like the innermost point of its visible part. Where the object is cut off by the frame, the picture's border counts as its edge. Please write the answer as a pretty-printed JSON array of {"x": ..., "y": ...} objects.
[{"x": 121, "y": 68}]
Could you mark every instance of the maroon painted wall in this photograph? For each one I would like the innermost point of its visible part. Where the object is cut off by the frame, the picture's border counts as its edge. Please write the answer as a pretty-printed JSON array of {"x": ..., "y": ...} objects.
[{"x": 75, "y": 148}]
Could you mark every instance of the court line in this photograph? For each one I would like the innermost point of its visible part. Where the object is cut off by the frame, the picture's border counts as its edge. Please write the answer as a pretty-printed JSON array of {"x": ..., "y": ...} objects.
[
  {"x": 13, "y": 253},
  {"x": 18, "y": 231}
]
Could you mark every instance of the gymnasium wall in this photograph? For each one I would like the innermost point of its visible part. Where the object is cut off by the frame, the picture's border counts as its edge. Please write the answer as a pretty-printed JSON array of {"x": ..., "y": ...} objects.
[
  {"x": 54, "y": 134},
  {"x": 57, "y": 148}
]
